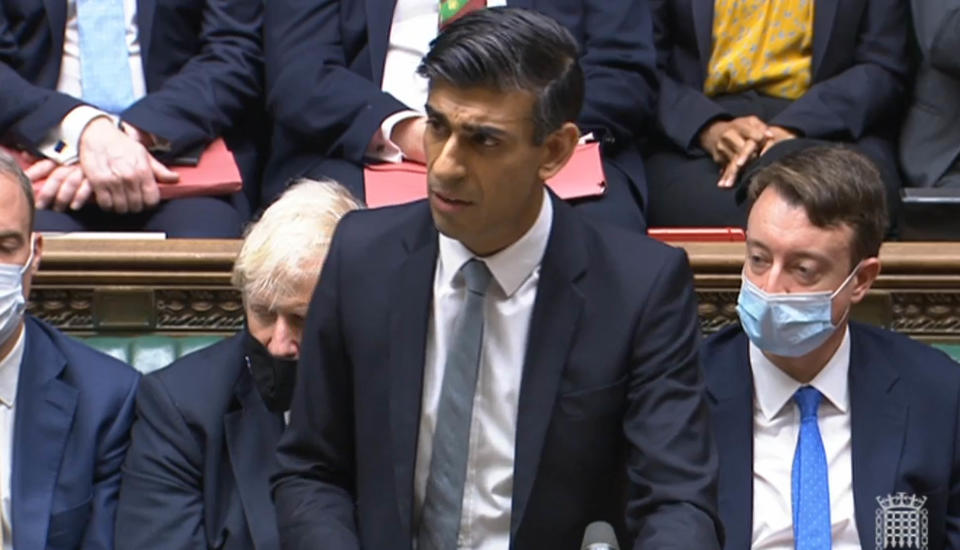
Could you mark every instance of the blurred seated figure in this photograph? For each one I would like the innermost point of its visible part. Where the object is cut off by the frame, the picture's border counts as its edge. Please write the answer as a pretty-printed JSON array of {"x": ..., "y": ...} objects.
[
  {"x": 739, "y": 76},
  {"x": 831, "y": 434},
  {"x": 65, "y": 408},
  {"x": 930, "y": 138},
  {"x": 202, "y": 449},
  {"x": 343, "y": 90},
  {"x": 97, "y": 93}
]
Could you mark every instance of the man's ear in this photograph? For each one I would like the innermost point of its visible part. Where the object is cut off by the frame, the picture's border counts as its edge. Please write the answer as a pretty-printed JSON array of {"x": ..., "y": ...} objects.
[
  {"x": 863, "y": 280},
  {"x": 558, "y": 148}
]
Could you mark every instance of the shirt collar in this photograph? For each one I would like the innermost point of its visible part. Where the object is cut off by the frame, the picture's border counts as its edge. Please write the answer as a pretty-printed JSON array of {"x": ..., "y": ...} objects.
[
  {"x": 774, "y": 388},
  {"x": 511, "y": 266},
  {"x": 10, "y": 371}
]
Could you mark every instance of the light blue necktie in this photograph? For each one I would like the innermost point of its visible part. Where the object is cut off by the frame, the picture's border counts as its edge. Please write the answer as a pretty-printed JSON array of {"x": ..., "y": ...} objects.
[
  {"x": 440, "y": 518},
  {"x": 811, "y": 490},
  {"x": 104, "y": 59}
]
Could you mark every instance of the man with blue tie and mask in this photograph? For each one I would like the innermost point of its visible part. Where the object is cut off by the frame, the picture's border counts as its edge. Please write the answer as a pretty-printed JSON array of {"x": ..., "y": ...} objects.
[{"x": 831, "y": 434}]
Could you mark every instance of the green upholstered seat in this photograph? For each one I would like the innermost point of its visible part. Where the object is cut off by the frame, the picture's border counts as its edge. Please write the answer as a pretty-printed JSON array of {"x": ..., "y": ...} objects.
[{"x": 149, "y": 352}]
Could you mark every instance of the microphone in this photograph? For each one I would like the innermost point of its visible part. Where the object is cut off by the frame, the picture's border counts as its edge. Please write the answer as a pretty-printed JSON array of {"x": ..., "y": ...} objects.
[{"x": 599, "y": 536}]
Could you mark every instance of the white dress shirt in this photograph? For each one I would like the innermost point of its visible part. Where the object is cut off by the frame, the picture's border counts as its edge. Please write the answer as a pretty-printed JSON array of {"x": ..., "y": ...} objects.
[
  {"x": 414, "y": 26},
  {"x": 9, "y": 375},
  {"x": 61, "y": 144},
  {"x": 508, "y": 305},
  {"x": 776, "y": 428}
]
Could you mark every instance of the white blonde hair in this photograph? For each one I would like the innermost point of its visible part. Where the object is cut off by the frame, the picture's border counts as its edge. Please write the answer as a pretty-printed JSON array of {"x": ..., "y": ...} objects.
[{"x": 285, "y": 248}]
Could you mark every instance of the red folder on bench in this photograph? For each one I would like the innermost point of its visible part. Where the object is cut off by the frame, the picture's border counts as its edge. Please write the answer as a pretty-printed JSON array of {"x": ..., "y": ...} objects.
[
  {"x": 386, "y": 184},
  {"x": 216, "y": 173}
]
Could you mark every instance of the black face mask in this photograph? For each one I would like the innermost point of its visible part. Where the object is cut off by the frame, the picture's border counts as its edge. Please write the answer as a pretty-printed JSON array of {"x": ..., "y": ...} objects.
[{"x": 273, "y": 376}]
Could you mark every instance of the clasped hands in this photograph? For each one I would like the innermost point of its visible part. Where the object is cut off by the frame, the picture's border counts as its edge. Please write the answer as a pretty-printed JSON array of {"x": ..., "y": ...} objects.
[
  {"x": 114, "y": 167},
  {"x": 731, "y": 143}
]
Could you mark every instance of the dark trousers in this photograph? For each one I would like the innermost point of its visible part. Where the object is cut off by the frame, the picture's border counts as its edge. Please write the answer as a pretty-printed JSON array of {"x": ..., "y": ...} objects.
[
  {"x": 683, "y": 188},
  {"x": 193, "y": 218}
]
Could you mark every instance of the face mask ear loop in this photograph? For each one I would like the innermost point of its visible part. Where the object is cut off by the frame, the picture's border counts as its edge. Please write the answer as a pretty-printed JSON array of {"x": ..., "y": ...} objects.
[{"x": 26, "y": 266}]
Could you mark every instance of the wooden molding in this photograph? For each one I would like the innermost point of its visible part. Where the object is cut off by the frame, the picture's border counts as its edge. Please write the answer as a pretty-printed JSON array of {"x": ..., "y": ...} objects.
[{"x": 178, "y": 286}]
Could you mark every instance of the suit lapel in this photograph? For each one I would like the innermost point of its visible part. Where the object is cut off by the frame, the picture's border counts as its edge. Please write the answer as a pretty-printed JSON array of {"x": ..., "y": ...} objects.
[
  {"x": 45, "y": 408},
  {"x": 729, "y": 383},
  {"x": 556, "y": 312},
  {"x": 878, "y": 415},
  {"x": 145, "y": 12},
  {"x": 379, "y": 21},
  {"x": 824, "y": 16},
  {"x": 57, "y": 15},
  {"x": 703, "y": 26},
  {"x": 411, "y": 300},
  {"x": 252, "y": 433}
]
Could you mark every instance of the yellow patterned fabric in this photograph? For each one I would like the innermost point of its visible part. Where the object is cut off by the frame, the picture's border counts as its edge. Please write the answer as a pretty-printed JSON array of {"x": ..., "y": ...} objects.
[{"x": 761, "y": 45}]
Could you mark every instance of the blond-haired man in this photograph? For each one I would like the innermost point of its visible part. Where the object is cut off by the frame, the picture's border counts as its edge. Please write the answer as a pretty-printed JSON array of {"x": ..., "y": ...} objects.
[{"x": 196, "y": 474}]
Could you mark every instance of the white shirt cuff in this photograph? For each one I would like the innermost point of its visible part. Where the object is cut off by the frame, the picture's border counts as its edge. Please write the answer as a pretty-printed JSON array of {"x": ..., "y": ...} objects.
[
  {"x": 62, "y": 144},
  {"x": 381, "y": 148}
]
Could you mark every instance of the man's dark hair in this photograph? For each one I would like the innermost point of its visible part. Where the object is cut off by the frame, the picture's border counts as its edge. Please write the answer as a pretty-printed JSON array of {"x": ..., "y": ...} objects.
[
  {"x": 10, "y": 168},
  {"x": 510, "y": 49},
  {"x": 835, "y": 186}
]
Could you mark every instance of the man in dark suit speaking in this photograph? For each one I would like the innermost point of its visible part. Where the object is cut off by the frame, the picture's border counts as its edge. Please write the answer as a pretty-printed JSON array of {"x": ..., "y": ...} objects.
[
  {"x": 822, "y": 423},
  {"x": 486, "y": 369}
]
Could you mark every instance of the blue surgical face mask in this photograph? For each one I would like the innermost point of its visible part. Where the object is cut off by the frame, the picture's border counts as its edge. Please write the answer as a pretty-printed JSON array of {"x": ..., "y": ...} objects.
[
  {"x": 789, "y": 325},
  {"x": 12, "y": 302}
]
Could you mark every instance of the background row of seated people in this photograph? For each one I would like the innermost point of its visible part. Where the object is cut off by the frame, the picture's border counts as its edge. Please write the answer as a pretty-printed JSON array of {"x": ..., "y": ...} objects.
[
  {"x": 682, "y": 94},
  {"x": 594, "y": 400}
]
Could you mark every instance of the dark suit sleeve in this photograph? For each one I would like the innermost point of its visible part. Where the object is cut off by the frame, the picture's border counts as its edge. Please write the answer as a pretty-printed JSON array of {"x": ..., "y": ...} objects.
[
  {"x": 216, "y": 86},
  {"x": 953, "y": 496},
  {"x": 682, "y": 110},
  {"x": 311, "y": 91},
  {"x": 313, "y": 491},
  {"x": 945, "y": 46},
  {"x": 111, "y": 449},
  {"x": 619, "y": 67},
  {"x": 161, "y": 498},
  {"x": 673, "y": 462},
  {"x": 27, "y": 112},
  {"x": 867, "y": 94}
]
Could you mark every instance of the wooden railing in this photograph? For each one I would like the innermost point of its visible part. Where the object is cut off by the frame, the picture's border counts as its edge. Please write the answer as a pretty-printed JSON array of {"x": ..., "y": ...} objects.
[{"x": 177, "y": 286}]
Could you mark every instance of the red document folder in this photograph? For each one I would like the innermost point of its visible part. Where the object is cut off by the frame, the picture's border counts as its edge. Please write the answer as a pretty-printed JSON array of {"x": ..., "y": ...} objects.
[
  {"x": 387, "y": 183},
  {"x": 215, "y": 174}
]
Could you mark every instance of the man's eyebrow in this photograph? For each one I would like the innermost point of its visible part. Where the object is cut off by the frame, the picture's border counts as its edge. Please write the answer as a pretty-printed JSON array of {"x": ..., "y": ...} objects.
[
  {"x": 482, "y": 129},
  {"x": 10, "y": 234}
]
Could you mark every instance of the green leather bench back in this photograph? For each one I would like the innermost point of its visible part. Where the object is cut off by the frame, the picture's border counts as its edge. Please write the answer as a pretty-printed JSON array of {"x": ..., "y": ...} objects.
[{"x": 149, "y": 352}]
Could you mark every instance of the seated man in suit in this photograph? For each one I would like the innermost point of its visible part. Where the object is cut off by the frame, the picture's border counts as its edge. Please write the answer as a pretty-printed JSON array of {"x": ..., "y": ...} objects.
[
  {"x": 65, "y": 409},
  {"x": 202, "y": 450},
  {"x": 343, "y": 90},
  {"x": 819, "y": 419},
  {"x": 930, "y": 137},
  {"x": 486, "y": 368},
  {"x": 97, "y": 93},
  {"x": 737, "y": 77}
]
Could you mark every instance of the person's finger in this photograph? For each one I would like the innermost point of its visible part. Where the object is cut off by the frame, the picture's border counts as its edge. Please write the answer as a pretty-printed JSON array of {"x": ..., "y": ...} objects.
[
  {"x": 161, "y": 173},
  {"x": 729, "y": 176},
  {"x": 748, "y": 151},
  {"x": 751, "y": 128},
  {"x": 731, "y": 144},
  {"x": 40, "y": 169},
  {"x": 50, "y": 188},
  {"x": 67, "y": 190},
  {"x": 82, "y": 195}
]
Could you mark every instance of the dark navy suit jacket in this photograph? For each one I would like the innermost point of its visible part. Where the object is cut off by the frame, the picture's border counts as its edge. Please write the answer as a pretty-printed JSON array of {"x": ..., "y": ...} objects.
[
  {"x": 74, "y": 408},
  {"x": 612, "y": 421},
  {"x": 202, "y": 64},
  {"x": 859, "y": 70},
  {"x": 905, "y": 430},
  {"x": 325, "y": 63},
  {"x": 202, "y": 450}
]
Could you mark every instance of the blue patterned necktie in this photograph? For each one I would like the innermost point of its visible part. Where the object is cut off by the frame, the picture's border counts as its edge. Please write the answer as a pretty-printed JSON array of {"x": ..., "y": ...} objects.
[
  {"x": 811, "y": 490},
  {"x": 104, "y": 58}
]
